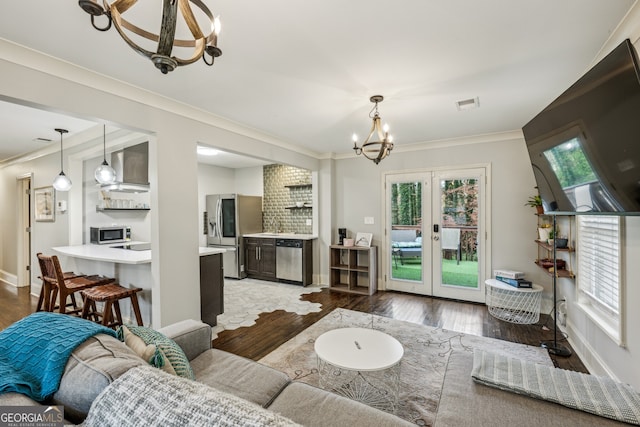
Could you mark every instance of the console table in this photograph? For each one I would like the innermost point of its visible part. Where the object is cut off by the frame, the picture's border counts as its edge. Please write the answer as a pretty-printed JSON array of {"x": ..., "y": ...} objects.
[{"x": 511, "y": 304}]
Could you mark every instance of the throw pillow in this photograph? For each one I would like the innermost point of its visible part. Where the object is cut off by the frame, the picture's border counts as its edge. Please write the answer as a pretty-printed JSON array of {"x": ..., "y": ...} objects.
[
  {"x": 167, "y": 355},
  {"x": 150, "y": 353}
]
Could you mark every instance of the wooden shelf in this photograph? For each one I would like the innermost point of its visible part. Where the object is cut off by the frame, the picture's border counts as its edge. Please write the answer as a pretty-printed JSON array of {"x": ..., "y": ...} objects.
[
  {"x": 550, "y": 248},
  {"x": 99, "y": 209},
  {"x": 353, "y": 269},
  {"x": 560, "y": 272}
]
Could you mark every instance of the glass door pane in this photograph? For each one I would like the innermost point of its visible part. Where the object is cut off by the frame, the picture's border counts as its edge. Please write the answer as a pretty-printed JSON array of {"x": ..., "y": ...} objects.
[
  {"x": 409, "y": 259},
  {"x": 457, "y": 266}
]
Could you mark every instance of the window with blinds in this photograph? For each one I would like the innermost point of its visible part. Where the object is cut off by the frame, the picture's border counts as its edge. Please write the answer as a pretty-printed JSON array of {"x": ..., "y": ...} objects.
[{"x": 598, "y": 257}]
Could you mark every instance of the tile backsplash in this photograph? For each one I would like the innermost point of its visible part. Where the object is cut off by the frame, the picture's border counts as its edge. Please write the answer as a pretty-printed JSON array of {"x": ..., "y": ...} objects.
[{"x": 283, "y": 187}]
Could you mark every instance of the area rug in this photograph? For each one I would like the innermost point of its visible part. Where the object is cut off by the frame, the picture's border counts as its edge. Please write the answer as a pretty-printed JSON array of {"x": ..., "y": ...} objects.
[
  {"x": 426, "y": 354},
  {"x": 245, "y": 299}
]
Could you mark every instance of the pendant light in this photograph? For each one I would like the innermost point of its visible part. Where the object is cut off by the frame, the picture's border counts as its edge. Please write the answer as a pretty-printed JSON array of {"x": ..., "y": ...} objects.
[
  {"x": 105, "y": 174},
  {"x": 372, "y": 149},
  {"x": 62, "y": 182}
]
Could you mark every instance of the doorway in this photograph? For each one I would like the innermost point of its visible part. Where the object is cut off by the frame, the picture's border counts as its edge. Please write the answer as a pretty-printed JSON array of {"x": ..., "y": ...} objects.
[
  {"x": 435, "y": 237},
  {"x": 24, "y": 231}
]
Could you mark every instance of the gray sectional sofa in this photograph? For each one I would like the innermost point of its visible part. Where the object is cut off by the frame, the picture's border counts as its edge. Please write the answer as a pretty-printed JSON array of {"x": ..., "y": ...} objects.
[{"x": 102, "y": 359}]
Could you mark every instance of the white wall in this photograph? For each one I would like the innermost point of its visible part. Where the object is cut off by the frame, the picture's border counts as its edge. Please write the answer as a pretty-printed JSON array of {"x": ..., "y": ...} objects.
[
  {"x": 44, "y": 234},
  {"x": 139, "y": 221},
  {"x": 249, "y": 181}
]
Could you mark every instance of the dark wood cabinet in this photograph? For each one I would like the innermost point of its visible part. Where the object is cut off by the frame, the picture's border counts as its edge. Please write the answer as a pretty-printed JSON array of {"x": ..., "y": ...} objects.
[
  {"x": 211, "y": 288},
  {"x": 260, "y": 258}
]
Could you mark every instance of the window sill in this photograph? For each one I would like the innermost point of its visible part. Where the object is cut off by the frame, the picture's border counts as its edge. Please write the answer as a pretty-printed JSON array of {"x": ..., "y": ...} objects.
[{"x": 612, "y": 329}]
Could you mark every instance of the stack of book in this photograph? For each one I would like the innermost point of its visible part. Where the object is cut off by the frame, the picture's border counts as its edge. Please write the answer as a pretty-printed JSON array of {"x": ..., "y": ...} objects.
[{"x": 513, "y": 278}]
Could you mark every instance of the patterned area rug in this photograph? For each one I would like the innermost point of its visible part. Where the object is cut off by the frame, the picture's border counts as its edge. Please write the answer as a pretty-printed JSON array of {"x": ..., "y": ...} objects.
[
  {"x": 245, "y": 299},
  {"x": 426, "y": 353}
]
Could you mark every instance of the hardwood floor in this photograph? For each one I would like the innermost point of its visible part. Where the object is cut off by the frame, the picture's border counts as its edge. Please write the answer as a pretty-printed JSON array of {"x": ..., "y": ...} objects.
[{"x": 273, "y": 329}]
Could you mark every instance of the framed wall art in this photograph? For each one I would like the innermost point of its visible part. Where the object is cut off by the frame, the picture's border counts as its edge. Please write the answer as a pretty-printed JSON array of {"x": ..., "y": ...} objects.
[
  {"x": 364, "y": 239},
  {"x": 45, "y": 203}
]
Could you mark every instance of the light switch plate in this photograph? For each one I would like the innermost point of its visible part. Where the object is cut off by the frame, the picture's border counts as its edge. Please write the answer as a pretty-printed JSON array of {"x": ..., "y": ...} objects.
[{"x": 368, "y": 220}]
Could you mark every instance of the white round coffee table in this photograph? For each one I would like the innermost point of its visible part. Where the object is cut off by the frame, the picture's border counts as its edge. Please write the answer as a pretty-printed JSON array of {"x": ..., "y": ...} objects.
[{"x": 362, "y": 364}]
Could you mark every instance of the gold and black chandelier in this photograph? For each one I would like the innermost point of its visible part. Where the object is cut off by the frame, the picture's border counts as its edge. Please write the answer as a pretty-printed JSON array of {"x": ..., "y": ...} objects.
[
  {"x": 204, "y": 43},
  {"x": 372, "y": 149}
]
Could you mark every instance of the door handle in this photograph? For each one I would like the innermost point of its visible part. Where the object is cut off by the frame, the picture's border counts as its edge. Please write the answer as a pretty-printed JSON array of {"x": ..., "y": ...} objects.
[{"x": 436, "y": 237}]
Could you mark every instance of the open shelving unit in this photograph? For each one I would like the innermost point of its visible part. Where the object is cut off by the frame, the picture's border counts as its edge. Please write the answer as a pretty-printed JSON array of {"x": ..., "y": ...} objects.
[
  {"x": 566, "y": 272},
  {"x": 354, "y": 269}
]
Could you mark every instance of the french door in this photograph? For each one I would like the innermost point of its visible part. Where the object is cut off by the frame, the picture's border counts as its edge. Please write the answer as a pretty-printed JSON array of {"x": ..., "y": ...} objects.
[{"x": 435, "y": 233}]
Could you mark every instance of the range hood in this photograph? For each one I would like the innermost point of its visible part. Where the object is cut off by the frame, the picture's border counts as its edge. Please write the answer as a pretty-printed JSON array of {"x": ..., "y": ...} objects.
[{"x": 132, "y": 169}]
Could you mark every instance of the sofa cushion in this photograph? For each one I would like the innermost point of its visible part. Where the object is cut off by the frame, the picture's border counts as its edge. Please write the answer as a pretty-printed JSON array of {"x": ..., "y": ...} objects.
[
  {"x": 239, "y": 376},
  {"x": 149, "y": 397},
  {"x": 193, "y": 336},
  {"x": 168, "y": 355},
  {"x": 91, "y": 367},
  {"x": 311, "y": 406},
  {"x": 464, "y": 403}
]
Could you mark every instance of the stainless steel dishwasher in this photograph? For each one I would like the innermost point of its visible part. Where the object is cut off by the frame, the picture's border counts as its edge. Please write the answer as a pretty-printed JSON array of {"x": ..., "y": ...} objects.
[{"x": 289, "y": 259}]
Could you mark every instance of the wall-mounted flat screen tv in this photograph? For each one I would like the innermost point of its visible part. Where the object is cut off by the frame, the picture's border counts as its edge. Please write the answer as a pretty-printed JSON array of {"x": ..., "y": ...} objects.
[{"x": 585, "y": 146}]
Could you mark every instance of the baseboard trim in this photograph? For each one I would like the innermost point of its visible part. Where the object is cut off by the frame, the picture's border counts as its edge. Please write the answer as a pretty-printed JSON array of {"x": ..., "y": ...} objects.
[
  {"x": 587, "y": 354},
  {"x": 9, "y": 278}
]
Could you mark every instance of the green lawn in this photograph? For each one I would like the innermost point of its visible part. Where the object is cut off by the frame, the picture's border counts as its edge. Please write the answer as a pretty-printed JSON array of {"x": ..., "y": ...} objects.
[{"x": 464, "y": 274}]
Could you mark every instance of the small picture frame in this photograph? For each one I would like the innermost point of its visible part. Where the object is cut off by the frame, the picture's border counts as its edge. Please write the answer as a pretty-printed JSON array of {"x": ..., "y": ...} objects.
[
  {"x": 45, "y": 204},
  {"x": 363, "y": 239}
]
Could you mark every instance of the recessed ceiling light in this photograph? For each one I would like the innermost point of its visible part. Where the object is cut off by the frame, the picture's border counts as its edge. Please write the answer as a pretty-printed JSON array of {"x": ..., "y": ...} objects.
[
  {"x": 468, "y": 104},
  {"x": 207, "y": 151}
]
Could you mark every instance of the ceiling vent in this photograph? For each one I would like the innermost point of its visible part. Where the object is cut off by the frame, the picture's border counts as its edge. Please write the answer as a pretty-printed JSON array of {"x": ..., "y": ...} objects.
[{"x": 468, "y": 104}]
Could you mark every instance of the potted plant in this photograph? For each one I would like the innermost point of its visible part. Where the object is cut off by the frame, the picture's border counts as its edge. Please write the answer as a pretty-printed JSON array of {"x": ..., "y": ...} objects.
[
  {"x": 536, "y": 202},
  {"x": 551, "y": 237}
]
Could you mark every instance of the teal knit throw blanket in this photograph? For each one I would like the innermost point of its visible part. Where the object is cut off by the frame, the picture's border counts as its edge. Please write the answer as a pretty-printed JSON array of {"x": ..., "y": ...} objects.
[{"x": 34, "y": 351}]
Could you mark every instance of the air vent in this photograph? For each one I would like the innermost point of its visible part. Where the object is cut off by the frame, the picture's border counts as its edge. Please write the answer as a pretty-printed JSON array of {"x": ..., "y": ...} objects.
[
  {"x": 47, "y": 140},
  {"x": 468, "y": 104}
]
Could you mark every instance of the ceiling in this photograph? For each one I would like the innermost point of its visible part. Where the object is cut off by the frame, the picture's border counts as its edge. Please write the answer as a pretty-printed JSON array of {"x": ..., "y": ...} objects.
[{"x": 302, "y": 72}]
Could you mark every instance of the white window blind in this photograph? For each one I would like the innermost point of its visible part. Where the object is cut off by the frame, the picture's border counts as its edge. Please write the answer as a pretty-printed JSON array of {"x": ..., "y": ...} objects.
[{"x": 598, "y": 256}]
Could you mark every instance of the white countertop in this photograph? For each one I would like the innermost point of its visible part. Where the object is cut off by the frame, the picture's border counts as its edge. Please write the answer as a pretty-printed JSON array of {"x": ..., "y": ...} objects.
[
  {"x": 282, "y": 236},
  {"x": 117, "y": 255},
  {"x": 211, "y": 251}
]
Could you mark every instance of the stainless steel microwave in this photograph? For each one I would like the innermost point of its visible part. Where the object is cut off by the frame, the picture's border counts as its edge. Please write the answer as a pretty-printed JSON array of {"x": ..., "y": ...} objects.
[{"x": 113, "y": 234}]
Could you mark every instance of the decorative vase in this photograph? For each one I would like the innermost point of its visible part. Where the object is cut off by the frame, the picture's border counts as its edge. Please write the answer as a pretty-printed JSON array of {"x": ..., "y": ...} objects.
[{"x": 539, "y": 209}]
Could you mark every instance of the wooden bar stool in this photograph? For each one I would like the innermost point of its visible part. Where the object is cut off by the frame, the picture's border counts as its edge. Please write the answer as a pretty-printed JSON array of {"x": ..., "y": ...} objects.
[
  {"x": 110, "y": 295},
  {"x": 56, "y": 284}
]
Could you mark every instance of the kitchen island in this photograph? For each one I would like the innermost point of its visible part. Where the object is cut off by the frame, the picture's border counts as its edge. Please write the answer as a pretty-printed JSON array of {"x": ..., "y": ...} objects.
[{"x": 131, "y": 268}]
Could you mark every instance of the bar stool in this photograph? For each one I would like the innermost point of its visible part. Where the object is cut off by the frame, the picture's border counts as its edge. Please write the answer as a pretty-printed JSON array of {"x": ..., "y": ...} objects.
[
  {"x": 110, "y": 295},
  {"x": 44, "y": 300},
  {"x": 54, "y": 279}
]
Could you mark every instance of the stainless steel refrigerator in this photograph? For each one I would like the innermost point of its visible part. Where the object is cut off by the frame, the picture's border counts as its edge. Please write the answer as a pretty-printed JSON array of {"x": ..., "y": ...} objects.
[{"x": 230, "y": 216}]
